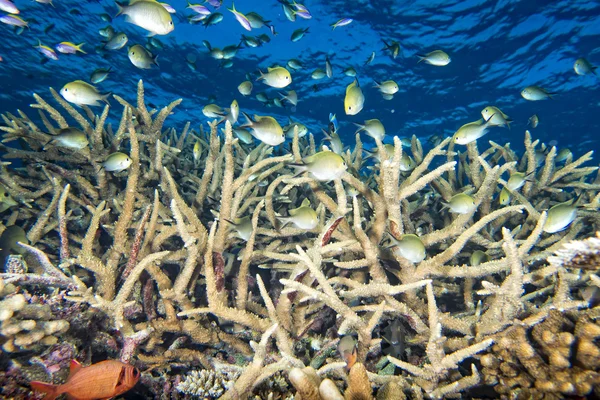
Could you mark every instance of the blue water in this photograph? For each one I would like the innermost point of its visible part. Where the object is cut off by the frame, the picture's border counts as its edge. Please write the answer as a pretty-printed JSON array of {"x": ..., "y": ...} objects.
[{"x": 497, "y": 48}]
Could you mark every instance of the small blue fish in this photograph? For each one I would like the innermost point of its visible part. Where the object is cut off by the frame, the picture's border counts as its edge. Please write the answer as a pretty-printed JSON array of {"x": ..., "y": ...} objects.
[
  {"x": 302, "y": 11},
  {"x": 198, "y": 8},
  {"x": 69, "y": 48},
  {"x": 169, "y": 8},
  {"x": 298, "y": 34},
  {"x": 9, "y": 7},
  {"x": 333, "y": 123},
  {"x": 99, "y": 75},
  {"x": 197, "y": 18},
  {"x": 212, "y": 19},
  {"x": 303, "y": 14},
  {"x": 14, "y": 20},
  {"x": 215, "y": 3},
  {"x": 241, "y": 18},
  {"x": 341, "y": 22},
  {"x": 105, "y": 17},
  {"x": 46, "y": 51}
]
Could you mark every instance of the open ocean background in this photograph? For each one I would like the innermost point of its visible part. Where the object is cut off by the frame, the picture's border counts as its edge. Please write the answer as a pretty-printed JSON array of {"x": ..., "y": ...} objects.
[{"x": 497, "y": 48}]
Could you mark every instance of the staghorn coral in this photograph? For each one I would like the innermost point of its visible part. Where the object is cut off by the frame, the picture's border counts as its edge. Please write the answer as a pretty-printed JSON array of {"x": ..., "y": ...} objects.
[{"x": 154, "y": 249}]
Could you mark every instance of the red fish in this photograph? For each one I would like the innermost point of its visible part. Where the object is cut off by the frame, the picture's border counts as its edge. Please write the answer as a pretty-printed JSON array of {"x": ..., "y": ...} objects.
[{"x": 99, "y": 381}]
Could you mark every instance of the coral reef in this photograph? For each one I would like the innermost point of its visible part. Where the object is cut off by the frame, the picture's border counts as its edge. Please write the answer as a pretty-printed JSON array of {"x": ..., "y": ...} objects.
[{"x": 185, "y": 262}]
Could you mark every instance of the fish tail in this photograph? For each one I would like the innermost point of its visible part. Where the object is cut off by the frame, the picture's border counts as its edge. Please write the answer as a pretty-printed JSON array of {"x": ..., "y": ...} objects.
[
  {"x": 78, "y": 47},
  {"x": 421, "y": 58},
  {"x": 49, "y": 389},
  {"x": 155, "y": 60},
  {"x": 377, "y": 84},
  {"x": 283, "y": 221},
  {"x": 262, "y": 76},
  {"x": 105, "y": 97},
  {"x": 300, "y": 167},
  {"x": 360, "y": 127},
  {"x": 120, "y": 9},
  {"x": 47, "y": 143},
  {"x": 248, "y": 119}
]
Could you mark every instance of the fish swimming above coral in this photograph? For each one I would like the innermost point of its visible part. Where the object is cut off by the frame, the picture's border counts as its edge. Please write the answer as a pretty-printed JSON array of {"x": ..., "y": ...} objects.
[
  {"x": 102, "y": 380},
  {"x": 348, "y": 206}
]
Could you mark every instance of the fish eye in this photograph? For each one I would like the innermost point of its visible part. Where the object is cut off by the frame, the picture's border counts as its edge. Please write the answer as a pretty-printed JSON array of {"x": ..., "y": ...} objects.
[{"x": 66, "y": 90}]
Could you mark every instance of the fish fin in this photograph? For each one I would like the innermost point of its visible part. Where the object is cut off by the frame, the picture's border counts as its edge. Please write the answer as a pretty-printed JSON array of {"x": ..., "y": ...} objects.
[
  {"x": 74, "y": 367},
  {"x": 48, "y": 388},
  {"x": 305, "y": 203}
]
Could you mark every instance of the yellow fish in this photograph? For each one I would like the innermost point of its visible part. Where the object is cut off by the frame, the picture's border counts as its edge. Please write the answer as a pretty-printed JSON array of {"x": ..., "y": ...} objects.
[
  {"x": 277, "y": 77},
  {"x": 303, "y": 217},
  {"x": 354, "y": 100},
  {"x": 149, "y": 15},
  {"x": 323, "y": 166}
]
